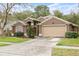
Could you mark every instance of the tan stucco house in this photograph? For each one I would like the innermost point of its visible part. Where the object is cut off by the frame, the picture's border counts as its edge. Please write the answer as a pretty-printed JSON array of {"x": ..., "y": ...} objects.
[{"x": 48, "y": 26}]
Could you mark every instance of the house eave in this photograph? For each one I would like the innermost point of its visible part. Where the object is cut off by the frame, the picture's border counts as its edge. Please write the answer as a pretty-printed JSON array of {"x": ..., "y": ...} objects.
[{"x": 51, "y": 16}]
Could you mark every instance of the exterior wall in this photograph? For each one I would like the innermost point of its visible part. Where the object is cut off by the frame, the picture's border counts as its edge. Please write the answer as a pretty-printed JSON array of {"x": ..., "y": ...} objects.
[
  {"x": 53, "y": 21},
  {"x": 40, "y": 29},
  {"x": 13, "y": 29},
  {"x": 72, "y": 28},
  {"x": 19, "y": 27},
  {"x": 24, "y": 29},
  {"x": 76, "y": 29},
  {"x": 37, "y": 31}
]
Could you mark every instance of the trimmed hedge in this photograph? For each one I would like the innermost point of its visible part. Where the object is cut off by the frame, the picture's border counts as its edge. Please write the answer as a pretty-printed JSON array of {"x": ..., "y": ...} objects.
[
  {"x": 19, "y": 34},
  {"x": 71, "y": 35}
]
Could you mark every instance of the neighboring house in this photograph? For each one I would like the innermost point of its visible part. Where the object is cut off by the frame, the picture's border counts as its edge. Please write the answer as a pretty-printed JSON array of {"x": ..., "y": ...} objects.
[{"x": 49, "y": 26}]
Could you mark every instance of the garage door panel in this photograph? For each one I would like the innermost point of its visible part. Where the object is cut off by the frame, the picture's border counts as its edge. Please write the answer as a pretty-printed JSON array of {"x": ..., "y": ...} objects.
[{"x": 51, "y": 31}]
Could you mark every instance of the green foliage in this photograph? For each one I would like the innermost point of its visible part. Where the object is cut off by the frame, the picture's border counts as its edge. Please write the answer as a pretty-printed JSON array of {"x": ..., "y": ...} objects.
[
  {"x": 71, "y": 35},
  {"x": 30, "y": 32},
  {"x": 58, "y": 13},
  {"x": 19, "y": 34},
  {"x": 65, "y": 52},
  {"x": 3, "y": 44},
  {"x": 34, "y": 15},
  {"x": 72, "y": 17},
  {"x": 69, "y": 42},
  {"x": 22, "y": 15},
  {"x": 13, "y": 39},
  {"x": 41, "y": 10}
]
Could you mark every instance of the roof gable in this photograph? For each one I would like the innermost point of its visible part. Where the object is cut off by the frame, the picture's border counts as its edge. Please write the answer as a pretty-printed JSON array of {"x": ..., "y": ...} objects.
[
  {"x": 19, "y": 22},
  {"x": 51, "y": 16},
  {"x": 30, "y": 19}
]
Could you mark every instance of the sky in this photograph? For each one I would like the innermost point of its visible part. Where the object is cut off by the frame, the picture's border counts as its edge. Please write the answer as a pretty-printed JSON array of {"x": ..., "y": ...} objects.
[{"x": 65, "y": 8}]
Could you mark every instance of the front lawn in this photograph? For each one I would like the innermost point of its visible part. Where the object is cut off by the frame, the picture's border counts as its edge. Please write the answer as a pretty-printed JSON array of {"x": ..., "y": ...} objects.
[
  {"x": 13, "y": 39},
  {"x": 69, "y": 42},
  {"x": 65, "y": 52},
  {"x": 4, "y": 44}
]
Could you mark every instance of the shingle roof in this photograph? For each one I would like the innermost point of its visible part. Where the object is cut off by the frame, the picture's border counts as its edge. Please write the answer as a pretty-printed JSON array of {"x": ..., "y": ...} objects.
[
  {"x": 19, "y": 22},
  {"x": 41, "y": 19},
  {"x": 12, "y": 23},
  {"x": 46, "y": 18},
  {"x": 29, "y": 19}
]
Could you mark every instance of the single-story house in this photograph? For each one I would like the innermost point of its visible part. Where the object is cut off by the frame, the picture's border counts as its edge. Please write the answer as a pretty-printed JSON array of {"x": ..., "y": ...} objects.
[
  {"x": 48, "y": 26},
  {"x": 22, "y": 26}
]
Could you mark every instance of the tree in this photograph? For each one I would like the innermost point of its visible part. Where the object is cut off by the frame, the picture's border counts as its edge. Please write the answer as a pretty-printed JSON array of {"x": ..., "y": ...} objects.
[
  {"x": 22, "y": 15},
  {"x": 6, "y": 9},
  {"x": 72, "y": 17},
  {"x": 58, "y": 13},
  {"x": 41, "y": 10},
  {"x": 35, "y": 15}
]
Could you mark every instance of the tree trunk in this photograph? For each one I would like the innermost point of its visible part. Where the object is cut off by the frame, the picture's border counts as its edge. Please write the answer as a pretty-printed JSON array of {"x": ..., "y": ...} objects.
[
  {"x": 6, "y": 17},
  {"x": 5, "y": 20}
]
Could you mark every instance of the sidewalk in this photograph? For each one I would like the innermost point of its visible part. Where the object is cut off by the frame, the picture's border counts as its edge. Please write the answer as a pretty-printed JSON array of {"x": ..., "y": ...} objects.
[{"x": 67, "y": 47}]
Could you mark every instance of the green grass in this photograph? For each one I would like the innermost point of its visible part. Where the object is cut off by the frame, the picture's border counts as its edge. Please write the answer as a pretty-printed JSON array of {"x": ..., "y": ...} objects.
[
  {"x": 13, "y": 39},
  {"x": 3, "y": 44},
  {"x": 69, "y": 42},
  {"x": 65, "y": 52}
]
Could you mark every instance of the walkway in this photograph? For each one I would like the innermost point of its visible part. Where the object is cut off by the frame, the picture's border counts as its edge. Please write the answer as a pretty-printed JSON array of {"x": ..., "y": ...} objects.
[{"x": 67, "y": 47}]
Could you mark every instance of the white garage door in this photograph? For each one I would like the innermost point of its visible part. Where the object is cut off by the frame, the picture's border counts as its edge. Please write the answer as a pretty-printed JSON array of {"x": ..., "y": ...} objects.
[{"x": 52, "y": 31}]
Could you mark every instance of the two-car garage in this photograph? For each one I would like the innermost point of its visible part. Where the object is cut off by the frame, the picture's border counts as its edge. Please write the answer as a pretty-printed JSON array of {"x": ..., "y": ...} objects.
[{"x": 53, "y": 30}]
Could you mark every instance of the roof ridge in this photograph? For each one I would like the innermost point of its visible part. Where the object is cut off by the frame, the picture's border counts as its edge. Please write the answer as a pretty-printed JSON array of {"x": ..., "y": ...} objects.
[{"x": 51, "y": 16}]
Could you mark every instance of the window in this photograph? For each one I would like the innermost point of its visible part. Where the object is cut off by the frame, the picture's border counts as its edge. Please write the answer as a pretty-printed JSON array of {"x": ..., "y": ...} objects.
[{"x": 19, "y": 28}]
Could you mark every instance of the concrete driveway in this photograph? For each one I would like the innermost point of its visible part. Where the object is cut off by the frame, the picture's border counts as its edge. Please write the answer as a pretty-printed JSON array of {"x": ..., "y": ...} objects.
[{"x": 35, "y": 47}]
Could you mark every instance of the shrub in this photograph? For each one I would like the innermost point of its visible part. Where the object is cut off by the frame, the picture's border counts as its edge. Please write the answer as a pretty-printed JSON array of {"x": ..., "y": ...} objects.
[
  {"x": 30, "y": 32},
  {"x": 19, "y": 34},
  {"x": 71, "y": 35}
]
